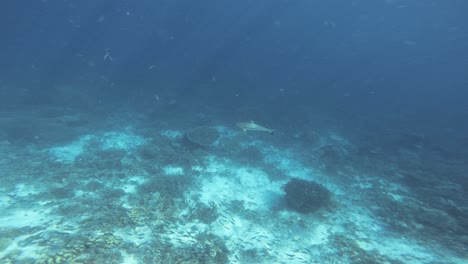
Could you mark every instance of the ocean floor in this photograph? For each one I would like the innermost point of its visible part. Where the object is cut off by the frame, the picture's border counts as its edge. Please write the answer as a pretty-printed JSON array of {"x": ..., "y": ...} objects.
[{"x": 125, "y": 192}]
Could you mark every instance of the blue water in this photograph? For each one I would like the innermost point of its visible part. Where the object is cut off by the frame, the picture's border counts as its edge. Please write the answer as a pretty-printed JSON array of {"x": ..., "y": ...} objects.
[{"x": 126, "y": 131}]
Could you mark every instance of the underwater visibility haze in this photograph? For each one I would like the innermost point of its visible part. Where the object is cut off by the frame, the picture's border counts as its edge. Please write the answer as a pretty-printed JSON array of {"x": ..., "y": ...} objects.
[{"x": 266, "y": 131}]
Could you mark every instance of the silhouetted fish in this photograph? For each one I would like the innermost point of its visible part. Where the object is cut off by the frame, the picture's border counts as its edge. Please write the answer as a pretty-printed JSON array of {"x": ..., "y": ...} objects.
[{"x": 252, "y": 126}]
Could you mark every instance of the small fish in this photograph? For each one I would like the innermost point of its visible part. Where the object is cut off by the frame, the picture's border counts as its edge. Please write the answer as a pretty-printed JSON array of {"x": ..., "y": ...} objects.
[
  {"x": 252, "y": 126},
  {"x": 249, "y": 243}
]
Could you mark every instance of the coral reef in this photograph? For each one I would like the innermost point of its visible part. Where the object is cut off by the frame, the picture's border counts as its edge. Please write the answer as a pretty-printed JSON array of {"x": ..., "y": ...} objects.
[
  {"x": 202, "y": 136},
  {"x": 305, "y": 196}
]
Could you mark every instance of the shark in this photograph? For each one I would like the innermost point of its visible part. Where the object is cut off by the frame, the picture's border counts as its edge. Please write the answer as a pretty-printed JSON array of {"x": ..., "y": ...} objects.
[{"x": 252, "y": 126}]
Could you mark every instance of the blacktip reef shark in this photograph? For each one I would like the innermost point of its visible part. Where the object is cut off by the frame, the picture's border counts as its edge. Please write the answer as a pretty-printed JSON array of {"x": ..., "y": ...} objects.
[{"x": 252, "y": 126}]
